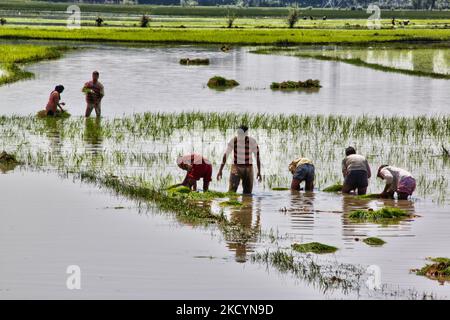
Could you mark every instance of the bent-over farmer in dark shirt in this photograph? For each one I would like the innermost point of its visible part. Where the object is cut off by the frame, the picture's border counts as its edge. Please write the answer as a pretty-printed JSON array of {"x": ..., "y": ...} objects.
[{"x": 302, "y": 169}]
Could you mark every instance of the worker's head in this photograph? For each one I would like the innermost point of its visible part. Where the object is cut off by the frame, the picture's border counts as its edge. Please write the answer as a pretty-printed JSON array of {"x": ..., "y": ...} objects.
[
  {"x": 242, "y": 130},
  {"x": 59, "y": 88},
  {"x": 379, "y": 174},
  {"x": 184, "y": 164},
  {"x": 95, "y": 76},
  {"x": 350, "y": 151}
]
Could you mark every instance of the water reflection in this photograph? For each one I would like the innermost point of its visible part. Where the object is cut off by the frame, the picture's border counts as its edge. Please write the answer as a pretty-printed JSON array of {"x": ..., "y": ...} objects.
[
  {"x": 53, "y": 129},
  {"x": 248, "y": 217},
  {"x": 93, "y": 135}
]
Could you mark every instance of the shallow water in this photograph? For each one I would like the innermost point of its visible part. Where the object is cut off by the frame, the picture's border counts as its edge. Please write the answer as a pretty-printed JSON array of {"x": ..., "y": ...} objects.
[{"x": 151, "y": 79}]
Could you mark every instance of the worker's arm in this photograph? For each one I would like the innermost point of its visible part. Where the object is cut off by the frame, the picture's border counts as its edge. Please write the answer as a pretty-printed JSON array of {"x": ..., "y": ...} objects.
[
  {"x": 224, "y": 161},
  {"x": 258, "y": 165},
  {"x": 387, "y": 176},
  {"x": 295, "y": 184},
  {"x": 344, "y": 168},
  {"x": 369, "y": 172}
]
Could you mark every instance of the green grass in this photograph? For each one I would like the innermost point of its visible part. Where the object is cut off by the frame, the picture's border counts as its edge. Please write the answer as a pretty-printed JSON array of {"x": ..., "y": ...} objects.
[
  {"x": 337, "y": 187},
  {"x": 438, "y": 270},
  {"x": 376, "y": 66},
  {"x": 314, "y": 247},
  {"x": 220, "y": 36},
  {"x": 231, "y": 203},
  {"x": 373, "y": 241},
  {"x": 382, "y": 214},
  {"x": 13, "y": 56},
  {"x": 280, "y": 188}
]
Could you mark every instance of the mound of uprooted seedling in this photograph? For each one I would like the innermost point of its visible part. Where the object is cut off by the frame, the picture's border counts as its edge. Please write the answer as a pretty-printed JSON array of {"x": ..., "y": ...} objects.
[
  {"x": 439, "y": 269},
  {"x": 369, "y": 196},
  {"x": 383, "y": 214},
  {"x": 291, "y": 85},
  {"x": 314, "y": 247},
  {"x": 185, "y": 192},
  {"x": 337, "y": 187},
  {"x": 374, "y": 241},
  {"x": 194, "y": 62},
  {"x": 62, "y": 115},
  {"x": 8, "y": 161},
  {"x": 218, "y": 82}
]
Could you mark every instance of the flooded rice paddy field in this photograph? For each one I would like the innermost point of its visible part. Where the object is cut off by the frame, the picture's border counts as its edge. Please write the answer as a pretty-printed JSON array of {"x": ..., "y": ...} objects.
[
  {"x": 151, "y": 79},
  {"x": 130, "y": 249}
]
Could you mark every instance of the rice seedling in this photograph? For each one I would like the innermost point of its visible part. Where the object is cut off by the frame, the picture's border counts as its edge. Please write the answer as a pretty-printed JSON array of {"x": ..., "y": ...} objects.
[
  {"x": 314, "y": 247},
  {"x": 252, "y": 36},
  {"x": 369, "y": 196},
  {"x": 218, "y": 82},
  {"x": 325, "y": 276},
  {"x": 382, "y": 214},
  {"x": 438, "y": 270},
  {"x": 292, "y": 85},
  {"x": 280, "y": 188},
  {"x": 60, "y": 115},
  {"x": 194, "y": 62},
  {"x": 374, "y": 241},
  {"x": 231, "y": 203},
  {"x": 337, "y": 187}
]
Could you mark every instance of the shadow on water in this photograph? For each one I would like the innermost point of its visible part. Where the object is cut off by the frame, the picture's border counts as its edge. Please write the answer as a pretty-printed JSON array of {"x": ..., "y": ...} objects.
[
  {"x": 93, "y": 135},
  {"x": 248, "y": 217}
]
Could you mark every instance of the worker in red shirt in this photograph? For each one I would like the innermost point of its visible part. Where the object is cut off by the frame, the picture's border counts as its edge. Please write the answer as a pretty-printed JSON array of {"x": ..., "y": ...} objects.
[{"x": 197, "y": 167}]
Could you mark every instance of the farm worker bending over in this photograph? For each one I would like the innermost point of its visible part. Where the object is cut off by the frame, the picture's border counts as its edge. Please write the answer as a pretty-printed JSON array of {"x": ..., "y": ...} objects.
[
  {"x": 197, "y": 168},
  {"x": 94, "y": 94},
  {"x": 302, "y": 169},
  {"x": 397, "y": 180},
  {"x": 243, "y": 147},
  {"x": 54, "y": 101},
  {"x": 356, "y": 172}
]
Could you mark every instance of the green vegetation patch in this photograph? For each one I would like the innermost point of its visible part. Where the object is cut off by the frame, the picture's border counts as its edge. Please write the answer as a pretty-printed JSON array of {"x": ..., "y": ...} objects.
[
  {"x": 280, "y": 188},
  {"x": 369, "y": 196},
  {"x": 314, "y": 247},
  {"x": 337, "y": 187},
  {"x": 218, "y": 82},
  {"x": 293, "y": 85},
  {"x": 8, "y": 159},
  {"x": 386, "y": 213},
  {"x": 194, "y": 62},
  {"x": 231, "y": 203},
  {"x": 373, "y": 241},
  {"x": 438, "y": 270},
  {"x": 12, "y": 56},
  {"x": 61, "y": 115}
]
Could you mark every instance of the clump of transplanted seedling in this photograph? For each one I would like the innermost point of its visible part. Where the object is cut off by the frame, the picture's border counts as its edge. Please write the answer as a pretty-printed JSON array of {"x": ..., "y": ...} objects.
[
  {"x": 292, "y": 85},
  {"x": 314, "y": 247},
  {"x": 8, "y": 161},
  {"x": 383, "y": 214},
  {"x": 369, "y": 196},
  {"x": 374, "y": 241},
  {"x": 439, "y": 269},
  {"x": 337, "y": 187},
  {"x": 59, "y": 114},
  {"x": 194, "y": 62},
  {"x": 183, "y": 191},
  {"x": 218, "y": 82},
  {"x": 280, "y": 188},
  {"x": 231, "y": 203}
]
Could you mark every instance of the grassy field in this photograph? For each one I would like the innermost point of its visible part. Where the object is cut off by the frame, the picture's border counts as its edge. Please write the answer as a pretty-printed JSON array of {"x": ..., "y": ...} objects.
[
  {"x": 218, "y": 22},
  {"x": 35, "y": 6},
  {"x": 11, "y": 56},
  {"x": 220, "y": 36}
]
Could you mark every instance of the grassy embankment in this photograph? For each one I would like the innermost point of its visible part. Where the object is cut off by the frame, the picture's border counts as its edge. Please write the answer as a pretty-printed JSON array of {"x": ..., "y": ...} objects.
[
  {"x": 12, "y": 56},
  {"x": 219, "y": 36}
]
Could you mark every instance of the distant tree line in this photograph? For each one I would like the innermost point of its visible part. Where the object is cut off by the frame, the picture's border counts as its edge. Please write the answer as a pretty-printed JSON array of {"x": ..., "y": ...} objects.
[{"x": 353, "y": 4}]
